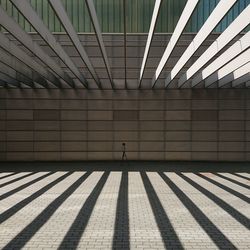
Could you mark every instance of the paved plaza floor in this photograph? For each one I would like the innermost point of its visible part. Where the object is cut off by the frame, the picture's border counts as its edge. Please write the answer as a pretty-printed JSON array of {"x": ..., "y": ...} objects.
[{"x": 88, "y": 206}]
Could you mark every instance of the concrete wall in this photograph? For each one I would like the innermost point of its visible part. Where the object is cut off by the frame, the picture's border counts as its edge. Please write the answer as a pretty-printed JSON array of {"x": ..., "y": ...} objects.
[{"x": 67, "y": 124}]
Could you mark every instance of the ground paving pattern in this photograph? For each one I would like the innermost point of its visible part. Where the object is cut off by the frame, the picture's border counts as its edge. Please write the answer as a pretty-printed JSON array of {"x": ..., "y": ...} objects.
[{"x": 124, "y": 208}]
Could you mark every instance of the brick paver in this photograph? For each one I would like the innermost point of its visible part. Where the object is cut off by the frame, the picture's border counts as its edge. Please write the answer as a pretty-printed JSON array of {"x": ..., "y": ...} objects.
[{"x": 124, "y": 210}]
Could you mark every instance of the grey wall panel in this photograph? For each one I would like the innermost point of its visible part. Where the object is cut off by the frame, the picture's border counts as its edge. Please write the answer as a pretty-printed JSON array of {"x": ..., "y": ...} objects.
[
  {"x": 46, "y": 115},
  {"x": 157, "y": 126}
]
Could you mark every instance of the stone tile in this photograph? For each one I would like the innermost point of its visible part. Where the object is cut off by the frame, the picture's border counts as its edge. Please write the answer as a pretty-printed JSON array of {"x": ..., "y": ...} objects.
[
  {"x": 178, "y": 136},
  {"x": 20, "y": 125},
  {"x": 208, "y": 115},
  {"x": 125, "y": 105},
  {"x": 204, "y": 104},
  {"x": 19, "y": 115},
  {"x": 100, "y": 115},
  {"x": 99, "y": 105},
  {"x": 20, "y": 136},
  {"x": 178, "y": 115},
  {"x": 151, "y": 125},
  {"x": 47, "y": 115},
  {"x": 73, "y": 104},
  {"x": 231, "y": 115},
  {"x": 100, "y": 125},
  {"x": 19, "y": 146},
  {"x": 152, "y": 105},
  {"x": 178, "y": 104},
  {"x": 128, "y": 115},
  {"x": 73, "y": 115},
  {"x": 47, "y": 125},
  {"x": 151, "y": 115},
  {"x": 47, "y": 146},
  {"x": 124, "y": 209}
]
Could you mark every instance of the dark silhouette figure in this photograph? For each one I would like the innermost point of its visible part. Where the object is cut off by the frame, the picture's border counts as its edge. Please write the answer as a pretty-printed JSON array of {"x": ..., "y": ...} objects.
[{"x": 124, "y": 155}]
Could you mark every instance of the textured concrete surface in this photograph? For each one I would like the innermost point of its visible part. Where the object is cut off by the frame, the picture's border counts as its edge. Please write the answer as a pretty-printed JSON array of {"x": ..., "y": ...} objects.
[
  {"x": 176, "y": 124},
  {"x": 133, "y": 208}
]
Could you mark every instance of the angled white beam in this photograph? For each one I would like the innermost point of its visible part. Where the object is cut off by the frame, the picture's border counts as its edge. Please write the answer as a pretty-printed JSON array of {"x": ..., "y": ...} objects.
[
  {"x": 236, "y": 76},
  {"x": 216, "y": 16},
  {"x": 94, "y": 20},
  {"x": 15, "y": 75},
  {"x": 21, "y": 68},
  {"x": 14, "y": 50},
  {"x": 2, "y": 83},
  {"x": 150, "y": 36},
  {"x": 233, "y": 51},
  {"x": 32, "y": 17},
  {"x": 239, "y": 24},
  {"x": 9, "y": 80},
  {"x": 11, "y": 26},
  {"x": 244, "y": 79},
  {"x": 125, "y": 40},
  {"x": 234, "y": 64},
  {"x": 185, "y": 16},
  {"x": 65, "y": 21}
]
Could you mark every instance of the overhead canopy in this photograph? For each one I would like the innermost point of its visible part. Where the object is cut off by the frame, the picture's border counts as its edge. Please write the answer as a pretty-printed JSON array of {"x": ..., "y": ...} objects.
[{"x": 223, "y": 63}]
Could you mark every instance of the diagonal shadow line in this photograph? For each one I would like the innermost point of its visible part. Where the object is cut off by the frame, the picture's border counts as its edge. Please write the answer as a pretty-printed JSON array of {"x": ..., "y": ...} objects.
[
  {"x": 27, "y": 233},
  {"x": 121, "y": 233},
  {"x": 75, "y": 232},
  {"x": 13, "y": 191},
  {"x": 241, "y": 176},
  {"x": 17, "y": 207},
  {"x": 228, "y": 189},
  {"x": 232, "y": 180},
  {"x": 213, "y": 232},
  {"x": 17, "y": 179},
  {"x": 8, "y": 175},
  {"x": 224, "y": 205},
  {"x": 168, "y": 234}
]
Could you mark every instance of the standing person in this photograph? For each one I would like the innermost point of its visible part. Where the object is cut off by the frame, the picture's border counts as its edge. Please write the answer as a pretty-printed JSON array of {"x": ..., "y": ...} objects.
[{"x": 124, "y": 155}]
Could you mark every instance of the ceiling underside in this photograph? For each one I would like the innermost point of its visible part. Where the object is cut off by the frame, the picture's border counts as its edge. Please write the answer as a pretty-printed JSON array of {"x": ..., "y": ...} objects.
[{"x": 125, "y": 61}]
